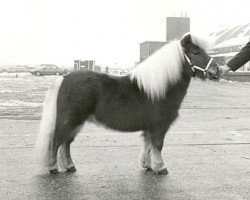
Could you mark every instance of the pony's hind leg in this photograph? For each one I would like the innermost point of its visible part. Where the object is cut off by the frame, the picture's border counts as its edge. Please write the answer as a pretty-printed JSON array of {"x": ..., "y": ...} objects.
[
  {"x": 60, "y": 149},
  {"x": 65, "y": 133},
  {"x": 65, "y": 161},
  {"x": 52, "y": 157},
  {"x": 151, "y": 156}
]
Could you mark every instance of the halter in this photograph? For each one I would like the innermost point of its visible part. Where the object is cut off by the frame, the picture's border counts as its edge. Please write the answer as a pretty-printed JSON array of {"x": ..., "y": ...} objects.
[{"x": 193, "y": 67}]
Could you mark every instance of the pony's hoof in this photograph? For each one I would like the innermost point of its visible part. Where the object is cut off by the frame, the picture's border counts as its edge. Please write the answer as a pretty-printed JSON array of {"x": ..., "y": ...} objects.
[
  {"x": 71, "y": 169},
  {"x": 54, "y": 171},
  {"x": 161, "y": 169},
  {"x": 146, "y": 166}
]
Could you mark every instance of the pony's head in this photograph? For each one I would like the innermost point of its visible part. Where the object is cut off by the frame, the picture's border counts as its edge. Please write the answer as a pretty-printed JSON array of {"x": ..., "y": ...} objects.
[
  {"x": 197, "y": 61},
  {"x": 167, "y": 66}
]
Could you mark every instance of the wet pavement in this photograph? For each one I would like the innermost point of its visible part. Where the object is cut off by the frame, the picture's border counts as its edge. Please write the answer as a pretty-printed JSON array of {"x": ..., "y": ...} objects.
[{"x": 207, "y": 152}]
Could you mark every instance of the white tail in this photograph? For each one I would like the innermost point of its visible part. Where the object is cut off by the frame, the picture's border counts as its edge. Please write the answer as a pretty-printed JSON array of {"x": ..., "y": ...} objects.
[{"x": 47, "y": 125}]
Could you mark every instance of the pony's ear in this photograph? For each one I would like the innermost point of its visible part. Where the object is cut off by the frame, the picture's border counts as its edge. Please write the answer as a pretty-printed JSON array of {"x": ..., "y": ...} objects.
[{"x": 186, "y": 39}]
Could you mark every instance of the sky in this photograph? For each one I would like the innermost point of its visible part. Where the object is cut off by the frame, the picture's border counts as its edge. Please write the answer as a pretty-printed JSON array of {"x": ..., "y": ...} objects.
[{"x": 34, "y": 32}]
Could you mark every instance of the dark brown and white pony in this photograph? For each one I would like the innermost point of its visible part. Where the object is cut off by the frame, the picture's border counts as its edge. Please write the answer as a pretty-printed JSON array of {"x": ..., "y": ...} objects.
[{"x": 148, "y": 100}]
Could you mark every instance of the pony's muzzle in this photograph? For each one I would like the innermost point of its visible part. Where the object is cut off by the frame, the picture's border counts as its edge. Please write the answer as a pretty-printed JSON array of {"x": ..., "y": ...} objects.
[{"x": 214, "y": 71}]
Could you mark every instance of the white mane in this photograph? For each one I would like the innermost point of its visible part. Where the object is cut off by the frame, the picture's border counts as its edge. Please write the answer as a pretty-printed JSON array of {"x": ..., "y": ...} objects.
[{"x": 159, "y": 71}]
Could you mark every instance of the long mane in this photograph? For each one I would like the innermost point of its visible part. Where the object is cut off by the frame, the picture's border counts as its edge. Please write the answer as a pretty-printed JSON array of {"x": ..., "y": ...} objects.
[
  {"x": 163, "y": 69},
  {"x": 160, "y": 71}
]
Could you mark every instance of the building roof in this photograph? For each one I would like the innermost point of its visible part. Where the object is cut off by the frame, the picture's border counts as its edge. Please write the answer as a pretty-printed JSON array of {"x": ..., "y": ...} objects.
[
  {"x": 233, "y": 36},
  {"x": 149, "y": 41}
]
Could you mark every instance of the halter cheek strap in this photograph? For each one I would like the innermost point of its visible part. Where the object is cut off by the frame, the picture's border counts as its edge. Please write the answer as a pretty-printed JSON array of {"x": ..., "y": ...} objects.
[
  {"x": 189, "y": 62},
  {"x": 193, "y": 67}
]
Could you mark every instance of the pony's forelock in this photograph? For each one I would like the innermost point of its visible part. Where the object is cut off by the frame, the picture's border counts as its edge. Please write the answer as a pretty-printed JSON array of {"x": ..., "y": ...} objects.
[
  {"x": 205, "y": 42},
  {"x": 160, "y": 71}
]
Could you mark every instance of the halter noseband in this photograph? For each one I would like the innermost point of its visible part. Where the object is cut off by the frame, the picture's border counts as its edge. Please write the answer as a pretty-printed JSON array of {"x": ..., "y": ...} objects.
[{"x": 193, "y": 67}]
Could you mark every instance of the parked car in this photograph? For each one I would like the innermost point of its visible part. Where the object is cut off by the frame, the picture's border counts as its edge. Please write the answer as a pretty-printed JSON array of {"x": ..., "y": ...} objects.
[{"x": 48, "y": 69}]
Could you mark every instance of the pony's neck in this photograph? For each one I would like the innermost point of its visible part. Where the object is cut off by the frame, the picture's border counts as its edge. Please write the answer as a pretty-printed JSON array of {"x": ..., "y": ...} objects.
[
  {"x": 179, "y": 90},
  {"x": 184, "y": 83}
]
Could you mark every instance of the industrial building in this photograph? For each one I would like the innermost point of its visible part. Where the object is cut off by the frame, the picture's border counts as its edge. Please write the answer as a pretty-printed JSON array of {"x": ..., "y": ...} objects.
[
  {"x": 175, "y": 28},
  {"x": 86, "y": 65},
  {"x": 148, "y": 48}
]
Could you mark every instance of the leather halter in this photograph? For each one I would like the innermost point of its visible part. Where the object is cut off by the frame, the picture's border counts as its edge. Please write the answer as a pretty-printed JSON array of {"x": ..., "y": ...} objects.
[{"x": 193, "y": 67}]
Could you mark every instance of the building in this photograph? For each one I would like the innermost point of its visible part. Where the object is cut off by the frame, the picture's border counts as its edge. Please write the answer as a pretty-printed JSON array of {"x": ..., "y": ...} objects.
[
  {"x": 85, "y": 65},
  {"x": 148, "y": 48},
  {"x": 228, "y": 42},
  {"x": 176, "y": 27}
]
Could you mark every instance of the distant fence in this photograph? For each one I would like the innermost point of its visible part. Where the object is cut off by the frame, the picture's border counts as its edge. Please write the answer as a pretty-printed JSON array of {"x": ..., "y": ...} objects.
[{"x": 238, "y": 76}]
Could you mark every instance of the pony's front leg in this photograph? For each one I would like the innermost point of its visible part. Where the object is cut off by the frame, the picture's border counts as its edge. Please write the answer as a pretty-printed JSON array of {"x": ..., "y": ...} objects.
[
  {"x": 145, "y": 153},
  {"x": 157, "y": 163},
  {"x": 151, "y": 156}
]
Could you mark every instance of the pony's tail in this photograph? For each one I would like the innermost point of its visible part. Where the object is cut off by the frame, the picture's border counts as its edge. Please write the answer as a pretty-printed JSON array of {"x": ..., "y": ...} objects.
[{"x": 47, "y": 126}]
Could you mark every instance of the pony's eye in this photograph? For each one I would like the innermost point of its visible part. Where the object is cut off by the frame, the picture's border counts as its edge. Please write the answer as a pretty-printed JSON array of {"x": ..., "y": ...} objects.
[{"x": 196, "y": 52}]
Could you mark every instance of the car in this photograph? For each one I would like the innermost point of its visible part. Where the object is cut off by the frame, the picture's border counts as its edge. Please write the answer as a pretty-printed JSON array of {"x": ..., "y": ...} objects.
[{"x": 49, "y": 69}]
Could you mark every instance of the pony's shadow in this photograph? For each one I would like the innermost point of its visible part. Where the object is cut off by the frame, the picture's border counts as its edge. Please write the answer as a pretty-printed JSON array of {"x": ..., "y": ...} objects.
[
  {"x": 153, "y": 186},
  {"x": 60, "y": 186}
]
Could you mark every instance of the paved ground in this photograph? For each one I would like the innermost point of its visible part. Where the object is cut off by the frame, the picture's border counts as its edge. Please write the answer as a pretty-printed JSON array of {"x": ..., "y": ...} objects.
[{"x": 207, "y": 152}]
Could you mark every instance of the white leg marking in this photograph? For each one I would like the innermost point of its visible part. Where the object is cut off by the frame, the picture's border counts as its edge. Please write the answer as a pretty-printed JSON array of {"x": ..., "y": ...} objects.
[
  {"x": 144, "y": 156},
  {"x": 64, "y": 160},
  {"x": 157, "y": 163}
]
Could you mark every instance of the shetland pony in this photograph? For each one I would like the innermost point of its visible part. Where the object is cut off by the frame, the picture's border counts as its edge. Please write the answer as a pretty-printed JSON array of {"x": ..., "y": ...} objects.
[{"x": 148, "y": 100}]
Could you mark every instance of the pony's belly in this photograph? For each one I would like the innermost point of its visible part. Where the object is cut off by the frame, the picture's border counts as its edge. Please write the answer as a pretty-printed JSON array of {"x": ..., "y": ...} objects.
[{"x": 120, "y": 124}]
